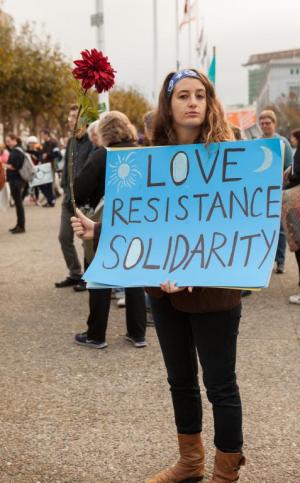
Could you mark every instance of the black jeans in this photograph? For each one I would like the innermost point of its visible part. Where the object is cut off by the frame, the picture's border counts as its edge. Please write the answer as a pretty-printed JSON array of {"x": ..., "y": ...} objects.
[
  {"x": 213, "y": 336},
  {"x": 16, "y": 187},
  {"x": 99, "y": 301},
  {"x": 47, "y": 190}
]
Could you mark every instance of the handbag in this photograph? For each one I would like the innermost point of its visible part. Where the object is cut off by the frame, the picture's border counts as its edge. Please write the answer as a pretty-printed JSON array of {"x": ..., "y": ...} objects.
[
  {"x": 2, "y": 176},
  {"x": 291, "y": 216},
  {"x": 27, "y": 171}
]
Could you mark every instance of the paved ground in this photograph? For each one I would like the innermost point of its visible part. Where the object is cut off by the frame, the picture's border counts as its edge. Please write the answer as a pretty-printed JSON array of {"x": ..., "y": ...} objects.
[{"x": 70, "y": 414}]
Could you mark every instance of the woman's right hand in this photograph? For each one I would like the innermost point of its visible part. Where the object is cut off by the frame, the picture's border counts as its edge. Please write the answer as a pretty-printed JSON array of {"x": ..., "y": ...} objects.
[
  {"x": 171, "y": 287},
  {"x": 82, "y": 226}
]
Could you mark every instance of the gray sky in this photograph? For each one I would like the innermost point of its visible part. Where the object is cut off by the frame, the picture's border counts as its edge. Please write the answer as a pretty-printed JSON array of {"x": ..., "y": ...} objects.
[{"x": 237, "y": 28}]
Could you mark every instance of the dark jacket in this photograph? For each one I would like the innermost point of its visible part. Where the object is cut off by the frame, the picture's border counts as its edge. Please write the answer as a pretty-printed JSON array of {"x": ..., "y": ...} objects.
[
  {"x": 51, "y": 150},
  {"x": 294, "y": 178},
  {"x": 16, "y": 159},
  {"x": 83, "y": 148},
  {"x": 90, "y": 184},
  {"x": 35, "y": 155}
]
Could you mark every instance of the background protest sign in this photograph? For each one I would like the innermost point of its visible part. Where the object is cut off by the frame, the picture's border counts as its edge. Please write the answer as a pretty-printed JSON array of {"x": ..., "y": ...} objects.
[
  {"x": 43, "y": 175},
  {"x": 192, "y": 214}
]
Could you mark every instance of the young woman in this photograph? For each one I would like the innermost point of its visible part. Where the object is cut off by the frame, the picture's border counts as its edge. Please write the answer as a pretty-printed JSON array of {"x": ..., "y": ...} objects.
[{"x": 195, "y": 321}]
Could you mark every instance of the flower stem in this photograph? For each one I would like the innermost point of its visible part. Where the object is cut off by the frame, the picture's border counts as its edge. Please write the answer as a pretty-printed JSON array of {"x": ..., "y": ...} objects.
[{"x": 71, "y": 157}]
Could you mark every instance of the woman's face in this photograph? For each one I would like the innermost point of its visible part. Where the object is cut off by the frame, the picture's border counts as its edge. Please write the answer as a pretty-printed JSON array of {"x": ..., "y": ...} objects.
[
  {"x": 294, "y": 141},
  {"x": 188, "y": 103}
]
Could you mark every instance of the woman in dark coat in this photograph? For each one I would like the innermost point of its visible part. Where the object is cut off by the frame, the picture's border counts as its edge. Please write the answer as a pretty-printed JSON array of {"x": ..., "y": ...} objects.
[{"x": 115, "y": 131}]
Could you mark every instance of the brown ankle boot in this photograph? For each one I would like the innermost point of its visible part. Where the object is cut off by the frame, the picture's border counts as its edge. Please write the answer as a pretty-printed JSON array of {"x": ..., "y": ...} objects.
[
  {"x": 190, "y": 466},
  {"x": 227, "y": 466}
]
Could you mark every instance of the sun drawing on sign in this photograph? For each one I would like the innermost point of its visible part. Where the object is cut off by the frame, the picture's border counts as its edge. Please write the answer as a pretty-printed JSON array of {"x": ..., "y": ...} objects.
[{"x": 124, "y": 172}]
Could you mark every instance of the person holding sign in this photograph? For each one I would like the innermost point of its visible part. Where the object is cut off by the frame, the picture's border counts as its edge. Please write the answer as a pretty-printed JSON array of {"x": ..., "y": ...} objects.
[
  {"x": 195, "y": 322},
  {"x": 198, "y": 321}
]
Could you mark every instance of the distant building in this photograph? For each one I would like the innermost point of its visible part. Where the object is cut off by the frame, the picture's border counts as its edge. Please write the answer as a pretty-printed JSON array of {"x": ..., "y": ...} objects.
[{"x": 273, "y": 76}]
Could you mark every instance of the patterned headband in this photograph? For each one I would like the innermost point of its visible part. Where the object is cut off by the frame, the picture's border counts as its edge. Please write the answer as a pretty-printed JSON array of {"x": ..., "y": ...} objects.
[{"x": 178, "y": 76}]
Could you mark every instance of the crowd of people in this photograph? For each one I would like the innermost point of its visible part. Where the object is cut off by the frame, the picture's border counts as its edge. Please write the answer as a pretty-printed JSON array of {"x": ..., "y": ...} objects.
[
  {"x": 191, "y": 322},
  {"x": 12, "y": 155}
]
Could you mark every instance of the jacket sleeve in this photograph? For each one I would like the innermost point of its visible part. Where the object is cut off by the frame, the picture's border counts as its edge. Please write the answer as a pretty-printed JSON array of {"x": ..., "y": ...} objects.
[
  {"x": 55, "y": 153},
  {"x": 91, "y": 178},
  {"x": 16, "y": 159},
  {"x": 64, "y": 177},
  {"x": 288, "y": 154}
]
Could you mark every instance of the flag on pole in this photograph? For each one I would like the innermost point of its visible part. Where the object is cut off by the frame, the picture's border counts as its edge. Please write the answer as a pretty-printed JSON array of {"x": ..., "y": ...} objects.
[
  {"x": 200, "y": 42},
  {"x": 212, "y": 68},
  {"x": 187, "y": 18},
  {"x": 204, "y": 56}
]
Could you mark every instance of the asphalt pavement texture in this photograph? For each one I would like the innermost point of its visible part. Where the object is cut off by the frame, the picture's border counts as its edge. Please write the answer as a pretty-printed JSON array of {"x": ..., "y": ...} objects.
[{"x": 71, "y": 414}]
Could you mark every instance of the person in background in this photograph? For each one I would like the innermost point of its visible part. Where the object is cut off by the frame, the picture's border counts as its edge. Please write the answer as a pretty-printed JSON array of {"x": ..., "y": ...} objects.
[
  {"x": 267, "y": 122},
  {"x": 237, "y": 132},
  {"x": 34, "y": 149},
  {"x": 16, "y": 183},
  {"x": 94, "y": 137},
  {"x": 83, "y": 147},
  {"x": 4, "y": 153},
  {"x": 292, "y": 224},
  {"x": 148, "y": 127},
  {"x": 50, "y": 153},
  {"x": 116, "y": 131},
  {"x": 4, "y": 197}
]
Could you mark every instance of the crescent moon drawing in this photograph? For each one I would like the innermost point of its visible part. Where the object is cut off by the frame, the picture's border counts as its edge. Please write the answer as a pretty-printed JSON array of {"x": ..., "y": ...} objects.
[{"x": 268, "y": 158}]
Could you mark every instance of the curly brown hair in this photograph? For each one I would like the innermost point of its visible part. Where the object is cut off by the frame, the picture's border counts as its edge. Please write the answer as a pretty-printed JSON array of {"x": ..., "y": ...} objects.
[
  {"x": 115, "y": 127},
  {"x": 215, "y": 128}
]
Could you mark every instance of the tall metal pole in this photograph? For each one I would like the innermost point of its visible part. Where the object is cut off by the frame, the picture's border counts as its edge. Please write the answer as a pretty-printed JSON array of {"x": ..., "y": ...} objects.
[
  {"x": 197, "y": 28},
  {"x": 154, "y": 49},
  {"x": 100, "y": 25},
  {"x": 177, "y": 36},
  {"x": 97, "y": 20},
  {"x": 189, "y": 35}
]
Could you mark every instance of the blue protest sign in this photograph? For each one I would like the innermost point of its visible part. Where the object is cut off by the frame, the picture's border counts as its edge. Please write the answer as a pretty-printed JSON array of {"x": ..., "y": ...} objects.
[{"x": 193, "y": 214}]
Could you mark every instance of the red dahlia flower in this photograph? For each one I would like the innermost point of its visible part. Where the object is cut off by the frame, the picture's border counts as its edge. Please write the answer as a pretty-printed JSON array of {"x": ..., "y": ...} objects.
[{"x": 94, "y": 70}]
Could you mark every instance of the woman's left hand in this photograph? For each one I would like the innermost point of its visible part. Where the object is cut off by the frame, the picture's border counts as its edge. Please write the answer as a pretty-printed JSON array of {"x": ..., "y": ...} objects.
[
  {"x": 286, "y": 175},
  {"x": 171, "y": 287}
]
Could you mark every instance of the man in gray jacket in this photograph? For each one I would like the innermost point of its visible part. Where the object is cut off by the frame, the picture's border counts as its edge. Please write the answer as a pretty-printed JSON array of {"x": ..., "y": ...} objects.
[
  {"x": 267, "y": 122},
  {"x": 83, "y": 148}
]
